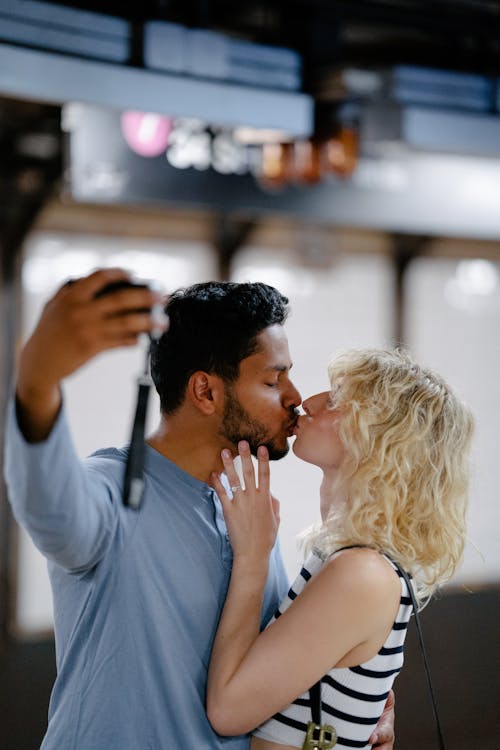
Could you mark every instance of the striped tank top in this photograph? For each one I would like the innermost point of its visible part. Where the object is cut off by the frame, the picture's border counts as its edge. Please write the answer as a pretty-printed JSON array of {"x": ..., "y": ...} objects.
[{"x": 352, "y": 698}]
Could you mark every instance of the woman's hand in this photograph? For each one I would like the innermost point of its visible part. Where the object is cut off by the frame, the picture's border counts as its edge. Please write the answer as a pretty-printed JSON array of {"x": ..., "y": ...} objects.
[
  {"x": 252, "y": 521},
  {"x": 252, "y": 516}
]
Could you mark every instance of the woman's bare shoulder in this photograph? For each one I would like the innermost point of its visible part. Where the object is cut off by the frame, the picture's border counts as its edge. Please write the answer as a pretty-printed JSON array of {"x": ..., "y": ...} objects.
[{"x": 365, "y": 569}]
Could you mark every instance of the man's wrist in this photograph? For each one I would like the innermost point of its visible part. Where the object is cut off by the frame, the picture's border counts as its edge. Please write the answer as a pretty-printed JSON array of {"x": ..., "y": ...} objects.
[{"x": 37, "y": 409}]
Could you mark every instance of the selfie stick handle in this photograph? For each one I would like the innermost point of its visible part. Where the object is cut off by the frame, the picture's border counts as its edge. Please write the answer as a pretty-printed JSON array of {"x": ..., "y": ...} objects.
[{"x": 134, "y": 470}]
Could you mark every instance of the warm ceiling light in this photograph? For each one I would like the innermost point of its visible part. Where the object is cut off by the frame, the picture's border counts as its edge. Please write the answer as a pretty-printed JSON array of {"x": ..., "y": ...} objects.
[{"x": 261, "y": 135}]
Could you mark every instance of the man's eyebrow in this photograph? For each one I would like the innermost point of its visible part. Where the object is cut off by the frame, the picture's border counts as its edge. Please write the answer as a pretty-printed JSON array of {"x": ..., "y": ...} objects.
[{"x": 279, "y": 368}]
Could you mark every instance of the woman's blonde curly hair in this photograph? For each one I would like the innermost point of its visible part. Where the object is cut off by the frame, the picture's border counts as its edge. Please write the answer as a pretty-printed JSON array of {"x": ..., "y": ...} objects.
[{"x": 406, "y": 465}]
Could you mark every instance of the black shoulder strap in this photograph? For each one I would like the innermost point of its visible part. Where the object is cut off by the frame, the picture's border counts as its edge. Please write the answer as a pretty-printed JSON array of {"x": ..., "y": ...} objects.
[
  {"x": 418, "y": 624},
  {"x": 315, "y": 691},
  {"x": 315, "y": 698}
]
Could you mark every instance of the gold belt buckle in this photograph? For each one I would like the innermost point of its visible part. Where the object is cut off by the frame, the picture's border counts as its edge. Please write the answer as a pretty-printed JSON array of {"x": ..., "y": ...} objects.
[{"x": 319, "y": 737}]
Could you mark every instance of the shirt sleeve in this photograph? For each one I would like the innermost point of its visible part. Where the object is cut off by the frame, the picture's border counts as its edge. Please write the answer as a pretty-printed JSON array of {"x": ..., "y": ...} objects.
[
  {"x": 277, "y": 585},
  {"x": 69, "y": 511}
]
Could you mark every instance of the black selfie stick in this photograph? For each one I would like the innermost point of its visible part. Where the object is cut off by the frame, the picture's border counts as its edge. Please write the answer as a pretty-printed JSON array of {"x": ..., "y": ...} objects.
[
  {"x": 134, "y": 470},
  {"x": 134, "y": 476}
]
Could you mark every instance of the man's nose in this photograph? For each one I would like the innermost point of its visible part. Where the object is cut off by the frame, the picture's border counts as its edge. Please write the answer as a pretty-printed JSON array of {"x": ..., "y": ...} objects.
[{"x": 292, "y": 397}]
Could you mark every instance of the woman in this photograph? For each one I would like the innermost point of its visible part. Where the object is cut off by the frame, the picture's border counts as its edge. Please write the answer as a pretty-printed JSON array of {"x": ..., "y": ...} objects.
[{"x": 393, "y": 441}]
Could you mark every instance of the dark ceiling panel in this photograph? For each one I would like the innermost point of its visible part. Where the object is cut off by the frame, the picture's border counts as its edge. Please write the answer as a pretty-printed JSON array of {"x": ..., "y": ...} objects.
[
  {"x": 462, "y": 35},
  {"x": 458, "y": 34}
]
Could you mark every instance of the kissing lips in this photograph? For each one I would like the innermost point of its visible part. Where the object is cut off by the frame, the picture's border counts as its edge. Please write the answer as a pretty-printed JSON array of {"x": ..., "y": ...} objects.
[{"x": 291, "y": 428}]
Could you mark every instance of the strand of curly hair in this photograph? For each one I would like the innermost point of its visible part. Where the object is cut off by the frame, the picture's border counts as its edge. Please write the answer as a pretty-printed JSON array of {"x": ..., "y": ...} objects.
[{"x": 406, "y": 466}]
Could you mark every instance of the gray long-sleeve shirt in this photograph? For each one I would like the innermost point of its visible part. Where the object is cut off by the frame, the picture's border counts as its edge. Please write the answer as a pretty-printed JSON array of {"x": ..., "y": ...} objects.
[{"x": 137, "y": 594}]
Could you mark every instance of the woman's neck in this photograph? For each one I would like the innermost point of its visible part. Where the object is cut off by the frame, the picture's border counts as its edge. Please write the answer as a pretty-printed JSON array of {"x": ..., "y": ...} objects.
[{"x": 331, "y": 495}]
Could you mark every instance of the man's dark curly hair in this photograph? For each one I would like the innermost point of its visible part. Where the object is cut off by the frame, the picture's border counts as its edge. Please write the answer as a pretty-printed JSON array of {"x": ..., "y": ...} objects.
[{"x": 213, "y": 326}]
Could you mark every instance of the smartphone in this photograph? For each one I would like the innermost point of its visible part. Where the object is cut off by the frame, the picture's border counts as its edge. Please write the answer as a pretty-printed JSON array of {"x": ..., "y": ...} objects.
[{"x": 157, "y": 312}]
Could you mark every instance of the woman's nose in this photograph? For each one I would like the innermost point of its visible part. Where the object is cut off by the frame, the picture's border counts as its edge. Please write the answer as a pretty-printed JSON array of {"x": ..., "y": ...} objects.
[{"x": 305, "y": 405}]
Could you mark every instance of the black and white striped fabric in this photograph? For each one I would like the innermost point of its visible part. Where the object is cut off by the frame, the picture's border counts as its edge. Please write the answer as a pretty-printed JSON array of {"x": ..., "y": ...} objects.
[{"x": 353, "y": 698}]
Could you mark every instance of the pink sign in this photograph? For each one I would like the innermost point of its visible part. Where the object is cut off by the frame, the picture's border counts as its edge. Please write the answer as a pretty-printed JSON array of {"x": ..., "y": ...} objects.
[{"x": 146, "y": 132}]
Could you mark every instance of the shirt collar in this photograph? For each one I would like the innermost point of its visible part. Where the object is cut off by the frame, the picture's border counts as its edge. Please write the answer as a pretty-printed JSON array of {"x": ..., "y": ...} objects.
[{"x": 162, "y": 468}]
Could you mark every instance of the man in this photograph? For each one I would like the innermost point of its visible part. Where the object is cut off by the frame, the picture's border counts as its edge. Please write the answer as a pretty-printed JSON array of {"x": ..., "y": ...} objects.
[{"x": 138, "y": 594}]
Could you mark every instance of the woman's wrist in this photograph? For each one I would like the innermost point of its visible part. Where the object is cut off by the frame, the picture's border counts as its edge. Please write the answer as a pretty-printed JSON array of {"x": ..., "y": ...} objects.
[{"x": 251, "y": 567}]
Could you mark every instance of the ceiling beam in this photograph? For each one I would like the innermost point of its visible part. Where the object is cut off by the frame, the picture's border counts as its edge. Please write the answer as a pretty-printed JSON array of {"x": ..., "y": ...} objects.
[{"x": 56, "y": 78}]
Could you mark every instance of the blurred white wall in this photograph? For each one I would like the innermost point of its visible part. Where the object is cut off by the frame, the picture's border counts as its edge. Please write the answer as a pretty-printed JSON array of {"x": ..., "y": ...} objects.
[
  {"x": 453, "y": 326},
  {"x": 338, "y": 302}
]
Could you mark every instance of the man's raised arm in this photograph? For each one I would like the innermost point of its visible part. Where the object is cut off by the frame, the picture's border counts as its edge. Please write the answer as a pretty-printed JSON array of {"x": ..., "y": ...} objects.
[{"x": 75, "y": 326}]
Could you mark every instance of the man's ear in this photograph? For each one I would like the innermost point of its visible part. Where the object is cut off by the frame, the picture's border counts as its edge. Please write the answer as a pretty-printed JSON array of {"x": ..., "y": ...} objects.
[{"x": 206, "y": 392}]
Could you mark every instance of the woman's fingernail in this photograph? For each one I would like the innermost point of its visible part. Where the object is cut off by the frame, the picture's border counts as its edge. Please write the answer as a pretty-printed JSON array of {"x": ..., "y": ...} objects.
[{"x": 226, "y": 453}]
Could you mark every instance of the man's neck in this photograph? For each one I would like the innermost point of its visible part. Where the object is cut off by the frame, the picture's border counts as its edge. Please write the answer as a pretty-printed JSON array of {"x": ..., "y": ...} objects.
[{"x": 190, "y": 448}]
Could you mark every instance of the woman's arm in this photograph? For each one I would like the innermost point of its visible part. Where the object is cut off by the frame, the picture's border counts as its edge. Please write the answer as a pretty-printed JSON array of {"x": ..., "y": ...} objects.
[
  {"x": 252, "y": 519},
  {"x": 252, "y": 675}
]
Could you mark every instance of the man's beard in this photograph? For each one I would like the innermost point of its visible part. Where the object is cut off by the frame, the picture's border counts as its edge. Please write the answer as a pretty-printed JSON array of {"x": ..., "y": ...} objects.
[{"x": 238, "y": 425}]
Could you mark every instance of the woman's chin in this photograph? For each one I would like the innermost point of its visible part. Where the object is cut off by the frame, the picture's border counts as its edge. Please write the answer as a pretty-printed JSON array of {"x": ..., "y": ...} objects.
[{"x": 297, "y": 451}]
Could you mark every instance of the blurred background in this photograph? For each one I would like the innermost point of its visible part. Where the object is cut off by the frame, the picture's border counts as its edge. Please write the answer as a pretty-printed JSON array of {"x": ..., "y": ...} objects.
[{"x": 347, "y": 153}]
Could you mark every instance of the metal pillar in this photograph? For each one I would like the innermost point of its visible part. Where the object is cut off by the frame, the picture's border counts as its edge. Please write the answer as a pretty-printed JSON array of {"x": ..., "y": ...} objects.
[
  {"x": 405, "y": 248},
  {"x": 9, "y": 314},
  {"x": 27, "y": 179},
  {"x": 230, "y": 234}
]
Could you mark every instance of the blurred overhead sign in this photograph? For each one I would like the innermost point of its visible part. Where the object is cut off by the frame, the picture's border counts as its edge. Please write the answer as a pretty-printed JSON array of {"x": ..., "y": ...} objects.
[{"x": 434, "y": 194}]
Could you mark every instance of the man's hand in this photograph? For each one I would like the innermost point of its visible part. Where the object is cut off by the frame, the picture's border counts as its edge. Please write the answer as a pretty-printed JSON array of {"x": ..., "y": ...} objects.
[
  {"x": 383, "y": 737},
  {"x": 75, "y": 326}
]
